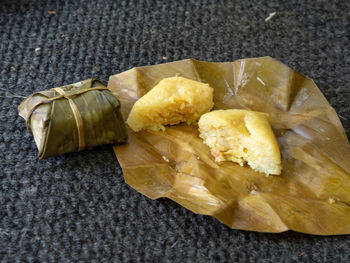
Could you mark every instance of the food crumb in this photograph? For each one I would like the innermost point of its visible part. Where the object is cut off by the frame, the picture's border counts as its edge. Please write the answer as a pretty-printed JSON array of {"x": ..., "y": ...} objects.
[
  {"x": 51, "y": 12},
  {"x": 164, "y": 58},
  {"x": 165, "y": 158},
  {"x": 37, "y": 49},
  {"x": 97, "y": 68},
  {"x": 270, "y": 16}
]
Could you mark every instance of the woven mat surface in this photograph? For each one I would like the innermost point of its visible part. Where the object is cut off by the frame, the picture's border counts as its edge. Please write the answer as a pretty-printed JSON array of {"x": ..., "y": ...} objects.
[{"x": 76, "y": 207}]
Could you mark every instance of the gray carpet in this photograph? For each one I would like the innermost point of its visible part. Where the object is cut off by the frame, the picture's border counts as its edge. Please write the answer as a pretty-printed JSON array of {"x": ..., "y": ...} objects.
[{"x": 76, "y": 207}]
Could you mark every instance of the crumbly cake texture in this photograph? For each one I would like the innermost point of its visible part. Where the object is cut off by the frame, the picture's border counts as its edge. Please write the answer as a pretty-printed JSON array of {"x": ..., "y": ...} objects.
[
  {"x": 172, "y": 101},
  {"x": 241, "y": 136}
]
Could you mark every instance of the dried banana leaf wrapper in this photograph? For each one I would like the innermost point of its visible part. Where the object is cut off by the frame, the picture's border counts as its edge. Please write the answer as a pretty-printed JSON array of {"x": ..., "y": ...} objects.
[
  {"x": 312, "y": 195},
  {"x": 54, "y": 121}
]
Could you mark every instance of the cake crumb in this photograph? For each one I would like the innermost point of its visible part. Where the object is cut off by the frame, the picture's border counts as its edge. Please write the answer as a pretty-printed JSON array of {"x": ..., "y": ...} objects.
[{"x": 270, "y": 16}]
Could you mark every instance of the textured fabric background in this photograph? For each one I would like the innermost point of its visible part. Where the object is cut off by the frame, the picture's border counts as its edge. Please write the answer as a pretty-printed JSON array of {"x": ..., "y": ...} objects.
[{"x": 76, "y": 207}]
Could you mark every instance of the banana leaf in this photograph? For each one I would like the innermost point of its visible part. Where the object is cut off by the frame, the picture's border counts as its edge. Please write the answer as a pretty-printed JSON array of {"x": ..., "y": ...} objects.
[
  {"x": 312, "y": 195},
  {"x": 53, "y": 120}
]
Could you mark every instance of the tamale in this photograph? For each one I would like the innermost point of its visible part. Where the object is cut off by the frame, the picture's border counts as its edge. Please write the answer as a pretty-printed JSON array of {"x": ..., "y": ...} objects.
[
  {"x": 171, "y": 101},
  {"x": 73, "y": 118},
  {"x": 311, "y": 195},
  {"x": 241, "y": 136}
]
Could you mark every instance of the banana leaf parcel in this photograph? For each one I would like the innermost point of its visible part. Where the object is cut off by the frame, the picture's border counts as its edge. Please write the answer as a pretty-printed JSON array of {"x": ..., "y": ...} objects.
[
  {"x": 74, "y": 117},
  {"x": 312, "y": 195}
]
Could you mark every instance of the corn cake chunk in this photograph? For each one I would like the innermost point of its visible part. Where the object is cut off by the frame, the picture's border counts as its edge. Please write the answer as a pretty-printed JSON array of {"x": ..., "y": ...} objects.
[
  {"x": 241, "y": 136},
  {"x": 172, "y": 101}
]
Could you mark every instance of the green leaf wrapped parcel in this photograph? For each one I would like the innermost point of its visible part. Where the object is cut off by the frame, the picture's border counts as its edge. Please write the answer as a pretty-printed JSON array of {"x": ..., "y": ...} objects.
[{"x": 73, "y": 118}]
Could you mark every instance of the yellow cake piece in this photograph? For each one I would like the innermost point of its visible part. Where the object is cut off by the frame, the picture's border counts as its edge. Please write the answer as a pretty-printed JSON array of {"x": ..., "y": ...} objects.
[
  {"x": 172, "y": 101},
  {"x": 241, "y": 136}
]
